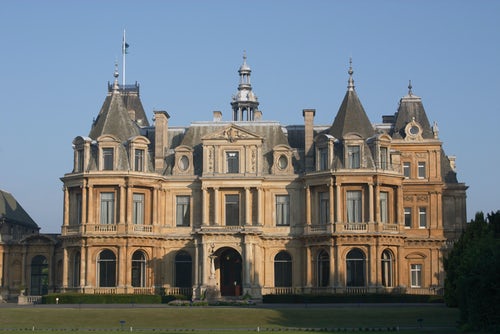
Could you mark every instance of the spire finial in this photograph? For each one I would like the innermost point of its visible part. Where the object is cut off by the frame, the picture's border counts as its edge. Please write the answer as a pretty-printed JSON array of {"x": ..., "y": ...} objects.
[
  {"x": 116, "y": 75},
  {"x": 244, "y": 56},
  {"x": 409, "y": 88},
  {"x": 350, "y": 86}
]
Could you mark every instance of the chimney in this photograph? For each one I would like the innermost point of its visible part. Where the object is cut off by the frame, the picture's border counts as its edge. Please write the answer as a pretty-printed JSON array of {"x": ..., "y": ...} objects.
[
  {"x": 217, "y": 116},
  {"x": 309, "y": 137},
  {"x": 161, "y": 139}
]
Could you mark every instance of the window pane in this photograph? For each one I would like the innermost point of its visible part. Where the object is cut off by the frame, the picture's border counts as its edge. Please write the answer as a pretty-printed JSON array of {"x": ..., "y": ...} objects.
[
  {"x": 232, "y": 210},
  {"x": 139, "y": 160},
  {"x": 422, "y": 212},
  {"x": 323, "y": 158},
  {"x": 233, "y": 163},
  {"x": 324, "y": 208},
  {"x": 79, "y": 161},
  {"x": 416, "y": 275},
  {"x": 421, "y": 169},
  {"x": 107, "y": 158},
  {"x": 353, "y": 153},
  {"x": 407, "y": 169},
  {"x": 282, "y": 210},
  {"x": 282, "y": 270},
  {"x": 384, "y": 211},
  {"x": 354, "y": 209},
  {"x": 407, "y": 217},
  {"x": 183, "y": 211},
  {"x": 107, "y": 208},
  {"x": 387, "y": 268},
  {"x": 138, "y": 209},
  {"x": 383, "y": 157}
]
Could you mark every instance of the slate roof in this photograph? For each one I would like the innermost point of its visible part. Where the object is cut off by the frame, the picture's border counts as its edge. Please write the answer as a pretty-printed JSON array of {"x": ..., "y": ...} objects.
[
  {"x": 271, "y": 132},
  {"x": 411, "y": 107},
  {"x": 114, "y": 119},
  {"x": 351, "y": 117},
  {"x": 11, "y": 211}
]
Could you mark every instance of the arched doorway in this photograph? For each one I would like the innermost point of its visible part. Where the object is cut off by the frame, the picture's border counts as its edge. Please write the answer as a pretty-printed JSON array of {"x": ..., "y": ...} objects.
[{"x": 230, "y": 265}]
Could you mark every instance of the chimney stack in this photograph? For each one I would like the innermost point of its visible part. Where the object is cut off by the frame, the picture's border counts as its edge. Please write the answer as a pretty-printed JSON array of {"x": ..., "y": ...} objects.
[
  {"x": 309, "y": 137},
  {"x": 161, "y": 139}
]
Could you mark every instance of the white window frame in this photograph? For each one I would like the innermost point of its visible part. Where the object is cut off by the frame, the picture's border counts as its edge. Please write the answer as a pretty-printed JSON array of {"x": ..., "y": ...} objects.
[
  {"x": 407, "y": 169},
  {"x": 107, "y": 212},
  {"x": 182, "y": 207},
  {"x": 138, "y": 208},
  {"x": 384, "y": 207},
  {"x": 282, "y": 210},
  {"x": 354, "y": 206},
  {"x": 232, "y": 162},
  {"x": 416, "y": 275},
  {"x": 422, "y": 217}
]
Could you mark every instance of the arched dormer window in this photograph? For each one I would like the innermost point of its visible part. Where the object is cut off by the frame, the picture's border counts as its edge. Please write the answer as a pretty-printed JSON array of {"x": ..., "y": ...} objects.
[
  {"x": 81, "y": 147},
  {"x": 324, "y": 151},
  {"x": 282, "y": 160},
  {"x": 108, "y": 148},
  {"x": 353, "y": 151},
  {"x": 138, "y": 148}
]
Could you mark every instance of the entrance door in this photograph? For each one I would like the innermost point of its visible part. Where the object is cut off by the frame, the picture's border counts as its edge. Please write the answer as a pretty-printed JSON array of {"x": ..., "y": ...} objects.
[{"x": 230, "y": 273}]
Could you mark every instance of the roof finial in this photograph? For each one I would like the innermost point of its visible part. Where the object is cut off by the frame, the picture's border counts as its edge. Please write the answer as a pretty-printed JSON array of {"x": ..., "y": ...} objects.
[
  {"x": 116, "y": 74},
  {"x": 244, "y": 56},
  {"x": 350, "y": 86},
  {"x": 409, "y": 88}
]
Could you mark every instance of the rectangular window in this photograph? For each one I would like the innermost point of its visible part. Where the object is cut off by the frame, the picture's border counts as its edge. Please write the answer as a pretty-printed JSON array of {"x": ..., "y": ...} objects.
[
  {"x": 416, "y": 275},
  {"x": 79, "y": 161},
  {"x": 232, "y": 210},
  {"x": 383, "y": 157},
  {"x": 139, "y": 161},
  {"x": 107, "y": 208},
  {"x": 384, "y": 207},
  {"x": 422, "y": 217},
  {"x": 138, "y": 209},
  {"x": 323, "y": 158},
  {"x": 182, "y": 217},
  {"x": 233, "y": 162},
  {"x": 76, "y": 210},
  {"x": 407, "y": 170},
  {"x": 408, "y": 217},
  {"x": 353, "y": 153},
  {"x": 354, "y": 208},
  {"x": 107, "y": 158},
  {"x": 324, "y": 208},
  {"x": 421, "y": 170},
  {"x": 282, "y": 210}
]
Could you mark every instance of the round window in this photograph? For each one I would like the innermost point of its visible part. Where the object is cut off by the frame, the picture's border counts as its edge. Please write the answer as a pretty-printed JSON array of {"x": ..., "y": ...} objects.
[
  {"x": 282, "y": 162},
  {"x": 183, "y": 163}
]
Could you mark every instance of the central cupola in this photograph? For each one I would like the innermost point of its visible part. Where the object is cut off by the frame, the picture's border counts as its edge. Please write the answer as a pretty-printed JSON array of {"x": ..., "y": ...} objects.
[{"x": 245, "y": 102}]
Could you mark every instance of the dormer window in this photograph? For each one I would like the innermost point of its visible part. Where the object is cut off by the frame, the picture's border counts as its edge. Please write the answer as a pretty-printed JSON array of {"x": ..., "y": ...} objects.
[
  {"x": 108, "y": 155},
  {"x": 79, "y": 160},
  {"x": 139, "y": 160},
  {"x": 323, "y": 158},
  {"x": 383, "y": 157},
  {"x": 353, "y": 156},
  {"x": 233, "y": 162}
]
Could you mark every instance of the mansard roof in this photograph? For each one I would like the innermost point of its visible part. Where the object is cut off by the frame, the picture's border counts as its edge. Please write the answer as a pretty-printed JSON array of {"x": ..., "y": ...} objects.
[
  {"x": 114, "y": 118},
  {"x": 411, "y": 109},
  {"x": 271, "y": 133},
  {"x": 11, "y": 211}
]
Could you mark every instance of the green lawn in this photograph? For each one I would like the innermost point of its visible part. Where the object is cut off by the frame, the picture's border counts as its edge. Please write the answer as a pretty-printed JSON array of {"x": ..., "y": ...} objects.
[{"x": 435, "y": 319}]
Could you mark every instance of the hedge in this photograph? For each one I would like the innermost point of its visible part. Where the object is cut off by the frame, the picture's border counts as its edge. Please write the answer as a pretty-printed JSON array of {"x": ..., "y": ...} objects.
[{"x": 80, "y": 298}]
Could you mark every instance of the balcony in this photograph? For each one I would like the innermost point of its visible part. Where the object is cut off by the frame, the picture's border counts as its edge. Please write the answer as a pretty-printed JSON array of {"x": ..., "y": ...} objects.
[{"x": 341, "y": 227}]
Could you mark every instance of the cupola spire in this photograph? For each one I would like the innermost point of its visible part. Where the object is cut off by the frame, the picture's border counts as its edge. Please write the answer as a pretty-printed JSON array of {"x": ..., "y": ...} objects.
[{"x": 245, "y": 102}]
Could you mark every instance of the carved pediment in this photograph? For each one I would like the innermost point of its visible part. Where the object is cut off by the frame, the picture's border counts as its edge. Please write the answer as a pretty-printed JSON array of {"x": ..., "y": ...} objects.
[{"x": 232, "y": 134}]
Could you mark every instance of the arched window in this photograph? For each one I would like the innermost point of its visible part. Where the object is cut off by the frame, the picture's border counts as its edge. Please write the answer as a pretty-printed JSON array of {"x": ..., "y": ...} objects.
[
  {"x": 39, "y": 276},
  {"x": 138, "y": 269},
  {"x": 387, "y": 270},
  {"x": 283, "y": 269},
  {"x": 323, "y": 268},
  {"x": 356, "y": 263},
  {"x": 76, "y": 270},
  {"x": 106, "y": 264},
  {"x": 183, "y": 270}
]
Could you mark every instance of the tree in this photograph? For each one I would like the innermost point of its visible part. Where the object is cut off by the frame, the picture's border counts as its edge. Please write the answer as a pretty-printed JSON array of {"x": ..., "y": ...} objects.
[{"x": 473, "y": 274}]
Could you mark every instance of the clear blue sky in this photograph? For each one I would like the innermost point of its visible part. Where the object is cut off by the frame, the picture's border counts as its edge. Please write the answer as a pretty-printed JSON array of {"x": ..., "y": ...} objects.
[{"x": 56, "y": 58}]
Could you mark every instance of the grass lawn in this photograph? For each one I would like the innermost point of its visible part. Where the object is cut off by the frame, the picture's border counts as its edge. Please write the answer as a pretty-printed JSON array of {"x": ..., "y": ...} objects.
[{"x": 435, "y": 318}]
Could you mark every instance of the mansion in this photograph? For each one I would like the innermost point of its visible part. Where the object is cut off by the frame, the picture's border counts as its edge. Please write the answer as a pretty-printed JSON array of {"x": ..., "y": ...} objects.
[{"x": 245, "y": 206}]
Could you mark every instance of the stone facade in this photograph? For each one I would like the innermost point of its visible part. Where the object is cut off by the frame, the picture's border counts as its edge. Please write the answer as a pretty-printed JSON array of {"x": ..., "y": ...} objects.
[{"x": 255, "y": 207}]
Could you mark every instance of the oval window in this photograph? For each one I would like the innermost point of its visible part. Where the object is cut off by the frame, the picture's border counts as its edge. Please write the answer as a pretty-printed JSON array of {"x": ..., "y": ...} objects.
[
  {"x": 282, "y": 162},
  {"x": 183, "y": 163}
]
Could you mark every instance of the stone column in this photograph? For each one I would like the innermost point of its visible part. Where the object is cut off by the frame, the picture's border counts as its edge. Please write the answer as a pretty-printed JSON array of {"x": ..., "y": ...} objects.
[
  {"x": 331, "y": 203},
  {"x": 260, "y": 207},
  {"x": 65, "y": 262},
  {"x": 204, "y": 207},
  {"x": 338, "y": 208},
  {"x": 370, "y": 203},
  {"x": 216, "y": 207},
  {"x": 247, "y": 207},
  {"x": 66, "y": 206},
  {"x": 308, "y": 205},
  {"x": 247, "y": 248},
  {"x": 122, "y": 205},
  {"x": 83, "y": 267},
  {"x": 84, "y": 217}
]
